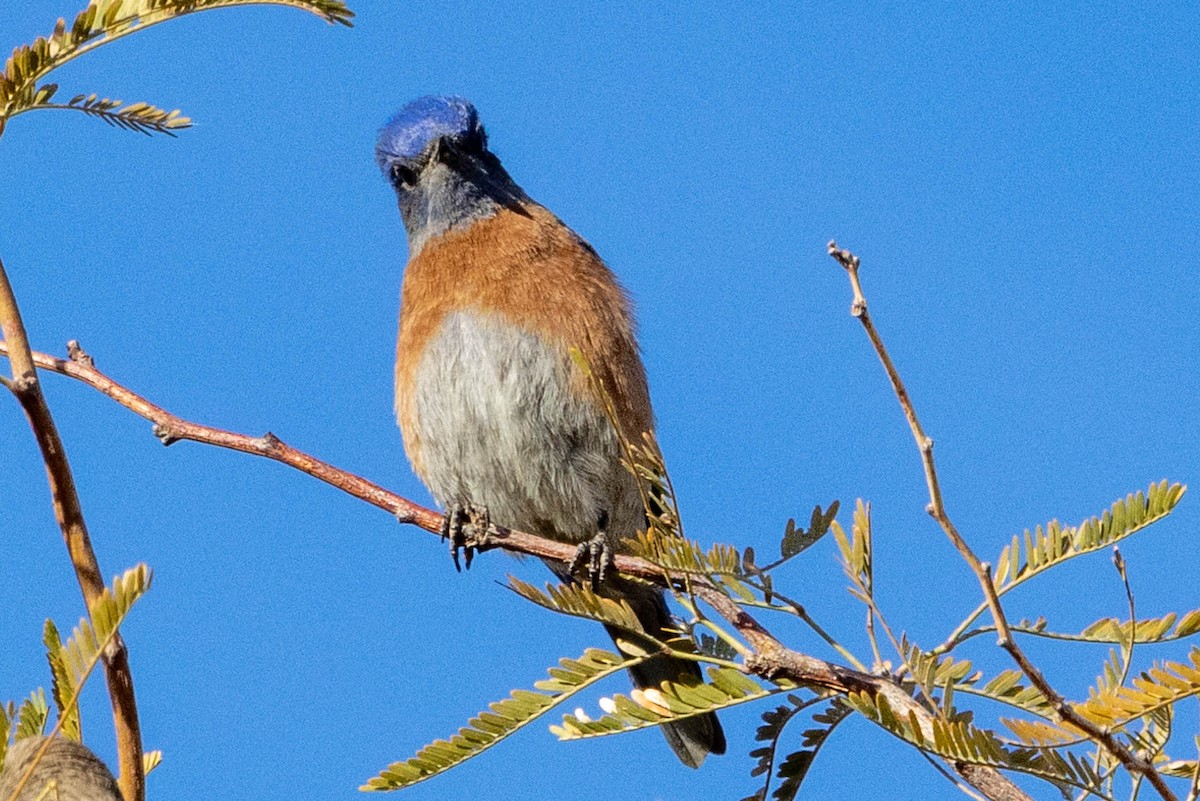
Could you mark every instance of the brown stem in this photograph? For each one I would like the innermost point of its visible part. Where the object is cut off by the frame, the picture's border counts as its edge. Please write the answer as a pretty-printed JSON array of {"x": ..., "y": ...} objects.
[
  {"x": 24, "y": 385},
  {"x": 1134, "y": 763},
  {"x": 170, "y": 428},
  {"x": 771, "y": 659}
]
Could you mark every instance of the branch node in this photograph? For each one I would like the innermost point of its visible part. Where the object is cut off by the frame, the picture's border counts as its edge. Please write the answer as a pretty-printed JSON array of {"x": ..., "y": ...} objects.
[
  {"x": 165, "y": 434},
  {"x": 762, "y": 665},
  {"x": 843, "y": 257},
  {"x": 114, "y": 647},
  {"x": 269, "y": 441},
  {"x": 77, "y": 354}
]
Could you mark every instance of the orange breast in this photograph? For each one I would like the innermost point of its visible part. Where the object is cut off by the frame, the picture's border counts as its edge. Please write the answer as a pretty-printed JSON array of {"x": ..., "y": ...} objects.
[{"x": 528, "y": 267}]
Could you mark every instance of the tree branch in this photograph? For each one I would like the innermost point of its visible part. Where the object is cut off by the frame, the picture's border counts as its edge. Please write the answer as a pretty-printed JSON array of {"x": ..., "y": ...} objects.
[
  {"x": 1134, "y": 763},
  {"x": 771, "y": 659},
  {"x": 28, "y": 392},
  {"x": 170, "y": 428}
]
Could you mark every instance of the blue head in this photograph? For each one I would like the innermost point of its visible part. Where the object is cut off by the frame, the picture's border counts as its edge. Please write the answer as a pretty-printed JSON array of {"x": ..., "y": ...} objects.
[
  {"x": 416, "y": 127},
  {"x": 434, "y": 153}
]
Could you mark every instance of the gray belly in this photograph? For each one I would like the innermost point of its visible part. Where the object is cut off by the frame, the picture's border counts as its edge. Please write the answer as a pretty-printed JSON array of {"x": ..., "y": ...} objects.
[{"x": 502, "y": 427}]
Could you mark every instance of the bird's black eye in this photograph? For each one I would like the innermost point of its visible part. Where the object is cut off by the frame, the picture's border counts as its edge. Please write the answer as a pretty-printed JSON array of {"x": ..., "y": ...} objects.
[{"x": 404, "y": 177}]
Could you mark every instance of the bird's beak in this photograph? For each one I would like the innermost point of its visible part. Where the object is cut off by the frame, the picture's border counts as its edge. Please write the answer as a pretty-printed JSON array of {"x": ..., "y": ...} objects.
[{"x": 443, "y": 151}]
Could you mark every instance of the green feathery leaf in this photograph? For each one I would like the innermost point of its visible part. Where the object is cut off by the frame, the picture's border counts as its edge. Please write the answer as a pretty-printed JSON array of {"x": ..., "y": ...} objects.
[
  {"x": 8, "y": 714},
  {"x": 774, "y": 722},
  {"x": 645, "y": 461},
  {"x": 80, "y": 654},
  {"x": 1111, "y": 675},
  {"x": 958, "y": 740},
  {"x": 580, "y": 600},
  {"x": 62, "y": 688},
  {"x": 672, "y": 701},
  {"x": 1040, "y": 733},
  {"x": 1168, "y": 628},
  {"x": 1006, "y": 688},
  {"x": 796, "y": 540},
  {"x": 793, "y": 767},
  {"x": 1181, "y": 768},
  {"x": 679, "y": 556},
  {"x": 715, "y": 647},
  {"x": 139, "y": 117},
  {"x": 1161, "y": 686},
  {"x": 1043, "y": 549},
  {"x": 792, "y": 771},
  {"x": 933, "y": 672},
  {"x": 105, "y": 21},
  {"x": 31, "y": 717},
  {"x": 855, "y": 552},
  {"x": 1156, "y": 731},
  {"x": 150, "y": 761},
  {"x": 1114, "y": 706},
  {"x": 504, "y": 718}
]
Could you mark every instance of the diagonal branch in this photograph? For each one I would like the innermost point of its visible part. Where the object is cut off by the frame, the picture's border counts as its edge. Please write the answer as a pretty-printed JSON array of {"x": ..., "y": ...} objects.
[
  {"x": 770, "y": 658},
  {"x": 24, "y": 385},
  {"x": 170, "y": 428},
  {"x": 1134, "y": 763}
]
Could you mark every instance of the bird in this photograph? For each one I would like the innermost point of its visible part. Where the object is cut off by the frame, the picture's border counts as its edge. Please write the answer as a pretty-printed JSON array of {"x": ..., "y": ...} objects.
[
  {"x": 67, "y": 771},
  {"x": 498, "y": 418}
]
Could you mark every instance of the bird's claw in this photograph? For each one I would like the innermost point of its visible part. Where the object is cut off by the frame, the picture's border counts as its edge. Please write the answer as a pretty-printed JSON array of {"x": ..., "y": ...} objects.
[
  {"x": 455, "y": 524},
  {"x": 596, "y": 555}
]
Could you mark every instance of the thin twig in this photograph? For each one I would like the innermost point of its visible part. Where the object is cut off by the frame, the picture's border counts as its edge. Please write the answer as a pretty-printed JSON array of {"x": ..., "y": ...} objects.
[
  {"x": 170, "y": 429},
  {"x": 770, "y": 660},
  {"x": 796, "y": 608},
  {"x": 1126, "y": 647},
  {"x": 67, "y": 510},
  {"x": 1134, "y": 763}
]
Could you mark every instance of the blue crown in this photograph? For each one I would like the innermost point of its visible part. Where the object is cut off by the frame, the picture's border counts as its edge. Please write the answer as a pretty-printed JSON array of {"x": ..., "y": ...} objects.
[{"x": 413, "y": 127}]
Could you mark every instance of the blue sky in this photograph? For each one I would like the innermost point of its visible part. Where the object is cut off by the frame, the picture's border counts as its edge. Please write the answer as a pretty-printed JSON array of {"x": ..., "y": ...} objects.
[{"x": 1019, "y": 180}]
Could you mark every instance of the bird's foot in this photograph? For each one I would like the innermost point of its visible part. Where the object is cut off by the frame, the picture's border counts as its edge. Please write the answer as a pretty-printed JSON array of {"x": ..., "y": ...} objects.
[
  {"x": 596, "y": 556},
  {"x": 467, "y": 527}
]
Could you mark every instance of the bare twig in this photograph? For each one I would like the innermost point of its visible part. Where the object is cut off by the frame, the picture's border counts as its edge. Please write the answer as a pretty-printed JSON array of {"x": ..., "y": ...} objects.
[
  {"x": 25, "y": 387},
  {"x": 1126, "y": 646},
  {"x": 1134, "y": 763},
  {"x": 170, "y": 429},
  {"x": 770, "y": 658}
]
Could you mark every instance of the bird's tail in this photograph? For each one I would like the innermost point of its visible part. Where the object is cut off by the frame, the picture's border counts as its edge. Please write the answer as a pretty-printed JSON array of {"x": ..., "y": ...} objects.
[{"x": 692, "y": 739}]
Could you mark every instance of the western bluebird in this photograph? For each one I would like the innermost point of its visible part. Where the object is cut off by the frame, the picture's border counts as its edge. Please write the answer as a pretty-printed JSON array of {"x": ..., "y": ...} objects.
[
  {"x": 496, "y": 415},
  {"x": 73, "y": 771}
]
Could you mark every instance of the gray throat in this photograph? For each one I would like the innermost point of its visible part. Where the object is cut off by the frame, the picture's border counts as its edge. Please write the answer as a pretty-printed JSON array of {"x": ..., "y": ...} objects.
[{"x": 446, "y": 198}]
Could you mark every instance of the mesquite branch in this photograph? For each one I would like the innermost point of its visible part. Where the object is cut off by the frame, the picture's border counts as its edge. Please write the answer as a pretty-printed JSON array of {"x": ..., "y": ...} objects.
[
  {"x": 1134, "y": 763},
  {"x": 67, "y": 510},
  {"x": 770, "y": 658}
]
